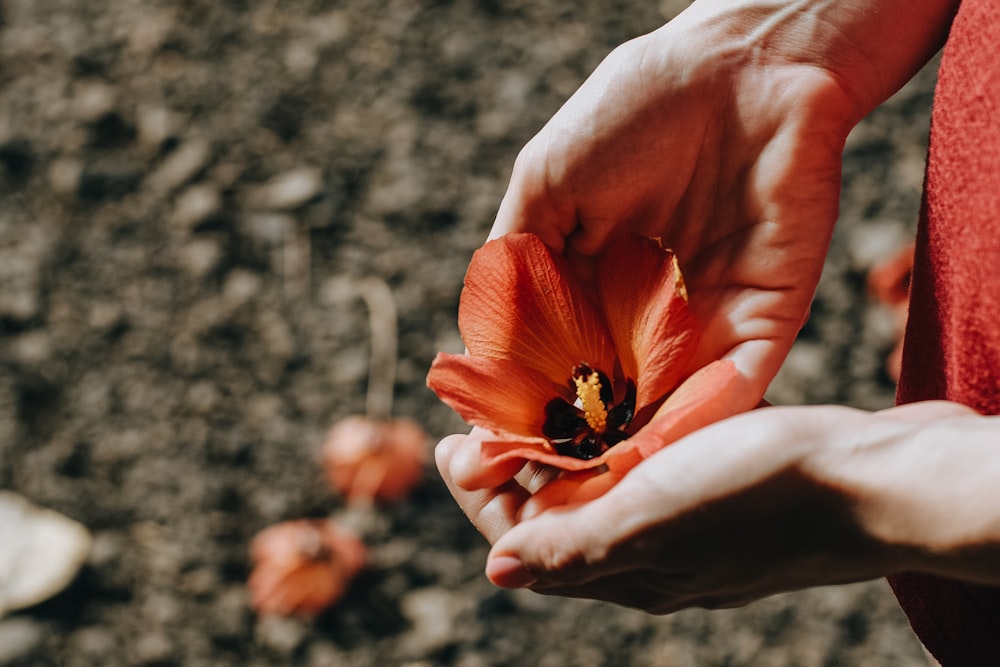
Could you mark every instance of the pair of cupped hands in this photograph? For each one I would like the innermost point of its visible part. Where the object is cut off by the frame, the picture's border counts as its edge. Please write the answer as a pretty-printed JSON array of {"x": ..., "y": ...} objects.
[{"x": 731, "y": 157}]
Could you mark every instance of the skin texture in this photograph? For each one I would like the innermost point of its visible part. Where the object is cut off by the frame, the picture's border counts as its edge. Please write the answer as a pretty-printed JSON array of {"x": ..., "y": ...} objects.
[{"x": 722, "y": 133}]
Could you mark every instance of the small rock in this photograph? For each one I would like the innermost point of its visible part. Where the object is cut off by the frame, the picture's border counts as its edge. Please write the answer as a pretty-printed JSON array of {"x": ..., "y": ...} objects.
[
  {"x": 18, "y": 638},
  {"x": 105, "y": 315},
  {"x": 300, "y": 58},
  {"x": 92, "y": 641},
  {"x": 64, "y": 176},
  {"x": 195, "y": 205},
  {"x": 269, "y": 228},
  {"x": 180, "y": 166},
  {"x": 288, "y": 191},
  {"x": 281, "y": 634},
  {"x": 153, "y": 648},
  {"x": 433, "y": 613},
  {"x": 331, "y": 27},
  {"x": 40, "y": 552},
  {"x": 240, "y": 287},
  {"x": 200, "y": 257},
  {"x": 276, "y": 335},
  {"x": 155, "y": 125},
  {"x": 92, "y": 100},
  {"x": 32, "y": 348},
  {"x": 230, "y": 613}
]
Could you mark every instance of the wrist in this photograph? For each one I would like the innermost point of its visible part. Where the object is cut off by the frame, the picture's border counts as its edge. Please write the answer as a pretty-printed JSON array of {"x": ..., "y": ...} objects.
[
  {"x": 870, "y": 48},
  {"x": 925, "y": 489}
]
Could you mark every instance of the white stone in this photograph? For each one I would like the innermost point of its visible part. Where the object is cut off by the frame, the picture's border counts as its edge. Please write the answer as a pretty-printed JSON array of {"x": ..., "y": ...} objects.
[
  {"x": 289, "y": 190},
  {"x": 40, "y": 552}
]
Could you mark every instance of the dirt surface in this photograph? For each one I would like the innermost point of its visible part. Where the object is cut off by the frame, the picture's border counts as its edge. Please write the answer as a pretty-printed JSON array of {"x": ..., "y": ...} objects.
[{"x": 189, "y": 191}]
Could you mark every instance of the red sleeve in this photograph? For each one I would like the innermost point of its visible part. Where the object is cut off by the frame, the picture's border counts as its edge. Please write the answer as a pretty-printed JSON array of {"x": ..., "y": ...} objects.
[{"x": 952, "y": 345}]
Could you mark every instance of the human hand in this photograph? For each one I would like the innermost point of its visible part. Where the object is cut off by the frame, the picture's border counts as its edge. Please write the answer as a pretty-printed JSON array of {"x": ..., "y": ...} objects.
[
  {"x": 774, "y": 500},
  {"x": 721, "y": 134},
  {"x": 734, "y": 164}
]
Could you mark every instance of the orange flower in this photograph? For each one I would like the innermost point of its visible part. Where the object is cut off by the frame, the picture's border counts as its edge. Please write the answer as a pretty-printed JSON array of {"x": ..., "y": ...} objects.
[
  {"x": 575, "y": 382},
  {"x": 302, "y": 567},
  {"x": 889, "y": 284},
  {"x": 367, "y": 459}
]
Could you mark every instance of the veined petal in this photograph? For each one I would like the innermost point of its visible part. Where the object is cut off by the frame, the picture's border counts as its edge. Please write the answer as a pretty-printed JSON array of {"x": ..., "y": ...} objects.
[
  {"x": 645, "y": 305},
  {"x": 569, "y": 488},
  {"x": 497, "y": 394},
  {"x": 494, "y": 452},
  {"x": 712, "y": 393},
  {"x": 521, "y": 303}
]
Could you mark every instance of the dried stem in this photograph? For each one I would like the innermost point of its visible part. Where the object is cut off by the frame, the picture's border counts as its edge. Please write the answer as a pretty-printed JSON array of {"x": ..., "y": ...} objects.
[{"x": 384, "y": 342}]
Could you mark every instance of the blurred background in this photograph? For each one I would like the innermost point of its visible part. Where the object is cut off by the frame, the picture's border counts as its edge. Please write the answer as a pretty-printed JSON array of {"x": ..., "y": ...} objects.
[{"x": 190, "y": 192}]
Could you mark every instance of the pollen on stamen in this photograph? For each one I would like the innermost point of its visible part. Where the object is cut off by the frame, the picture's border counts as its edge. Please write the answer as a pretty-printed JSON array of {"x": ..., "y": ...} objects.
[{"x": 588, "y": 390}]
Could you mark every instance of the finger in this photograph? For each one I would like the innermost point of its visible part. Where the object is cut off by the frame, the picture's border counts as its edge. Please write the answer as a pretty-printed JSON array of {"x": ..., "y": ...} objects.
[
  {"x": 493, "y": 511},
  {"x": 535, "y": 476},
  {"x": 530, "y": 204},
  {"x": 466, "y": 467},
  {"x": 567, "y": 545},
  {"x": 571, "y": 488}
]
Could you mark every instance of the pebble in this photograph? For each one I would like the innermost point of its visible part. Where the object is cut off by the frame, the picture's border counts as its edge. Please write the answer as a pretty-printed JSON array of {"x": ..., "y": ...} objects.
[
  {"x": 92, "y": 641},
  {"x": 92, "y": 100},
  {"x": 230, "y": 613},
  {"x": 281, "y": 635},
  {"x": 40, "y": 551},
  {"x": 240, "y": 287},
  {"x": 31, "y": 348},
  {"x": 180, "y": 166},
  {"x": 269, "y": 228},
  {"x": 200, "y": 256},
  {"x": 196, "y": 205},
  {"x": 868, "y": 244},
  {"x": 153, "y": 648},
  {"x": 64, "y": 176},
  {"x": 432, "y": 613},
  {"x": 287, "y": 191},
  {"x": 155, "y": 124},
  {"x": 18, "y": 638}
]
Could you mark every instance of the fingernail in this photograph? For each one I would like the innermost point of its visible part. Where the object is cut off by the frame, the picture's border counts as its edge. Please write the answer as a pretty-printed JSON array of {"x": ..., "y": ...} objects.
[{"x": 508, "y": 572}]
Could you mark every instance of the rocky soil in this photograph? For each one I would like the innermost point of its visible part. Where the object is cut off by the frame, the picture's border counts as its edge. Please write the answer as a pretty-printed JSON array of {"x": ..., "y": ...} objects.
[{"x": 190, "y": 192}]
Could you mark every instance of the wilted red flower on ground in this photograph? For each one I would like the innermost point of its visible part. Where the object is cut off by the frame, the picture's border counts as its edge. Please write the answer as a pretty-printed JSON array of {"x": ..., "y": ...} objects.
[
  {"x": 368, "y": 459},
  {"x": 575, "y": 382},
  {"x": 302, "y": 567},
  {"x": 889, "y": 284}
]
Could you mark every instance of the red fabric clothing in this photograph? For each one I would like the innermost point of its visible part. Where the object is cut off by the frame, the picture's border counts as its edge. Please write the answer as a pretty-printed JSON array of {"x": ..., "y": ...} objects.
[{"x": 952, "y": 345}]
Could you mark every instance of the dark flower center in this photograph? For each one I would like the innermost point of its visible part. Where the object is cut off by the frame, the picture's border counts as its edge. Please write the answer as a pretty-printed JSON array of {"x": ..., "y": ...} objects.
[{"x": 589, "y": 429}]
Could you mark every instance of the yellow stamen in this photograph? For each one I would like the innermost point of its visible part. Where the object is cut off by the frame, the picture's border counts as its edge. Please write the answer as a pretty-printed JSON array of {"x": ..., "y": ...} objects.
[{"x": 588, "y": 390}]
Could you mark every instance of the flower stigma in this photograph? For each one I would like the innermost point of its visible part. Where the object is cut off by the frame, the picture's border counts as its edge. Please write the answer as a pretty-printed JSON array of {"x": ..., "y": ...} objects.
[
  {"x": 588, "y": 390},
  {"x": 593, "y": 425}
]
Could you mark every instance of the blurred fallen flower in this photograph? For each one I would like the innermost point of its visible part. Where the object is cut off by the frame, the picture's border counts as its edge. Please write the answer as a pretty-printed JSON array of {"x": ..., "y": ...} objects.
[
  {"x": 578, "y": 384},
  {"x": 370, "y": 460},
  {"x": 376, "y": 457},
  {"x": 41, "y": 552},
  {"x": 302, "y": 567},
  {"x": 889, "y": 284}
]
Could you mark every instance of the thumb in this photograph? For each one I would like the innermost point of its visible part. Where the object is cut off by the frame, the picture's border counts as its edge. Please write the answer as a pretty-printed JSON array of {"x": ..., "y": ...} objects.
[{"x": 567, "y": 545}]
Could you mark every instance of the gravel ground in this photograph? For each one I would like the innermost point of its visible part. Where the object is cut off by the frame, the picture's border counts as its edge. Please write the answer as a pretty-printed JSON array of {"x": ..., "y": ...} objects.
[{"x": 190, "y": 192}]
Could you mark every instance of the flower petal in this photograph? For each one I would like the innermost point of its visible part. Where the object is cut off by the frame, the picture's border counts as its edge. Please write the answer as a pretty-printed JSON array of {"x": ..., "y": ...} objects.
[
  {"x": 521, "y": 303},
  {"x": 711, "y": 394},
  {"x": 569, "y": 487},
  {"x": 645, "y": 305},
  {"x": 540, "y": 451},
  {"x": 714, "y": 392},
  {"x": 496, "y": 394}
]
